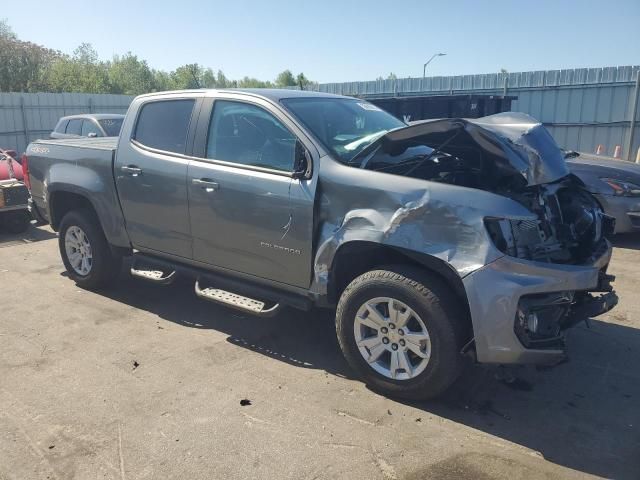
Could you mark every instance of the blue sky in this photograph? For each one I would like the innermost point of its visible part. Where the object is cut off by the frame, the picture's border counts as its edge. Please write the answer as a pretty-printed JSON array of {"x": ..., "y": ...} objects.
[{"x": 341, "y": 40}]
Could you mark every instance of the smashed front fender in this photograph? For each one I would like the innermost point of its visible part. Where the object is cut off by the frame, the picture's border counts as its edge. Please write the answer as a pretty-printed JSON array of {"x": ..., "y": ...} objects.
[{"x": 440, "y": 220}]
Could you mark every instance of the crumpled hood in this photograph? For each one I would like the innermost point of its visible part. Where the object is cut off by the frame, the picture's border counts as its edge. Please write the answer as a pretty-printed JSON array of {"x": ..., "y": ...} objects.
[{"x": 514, "y": 142}]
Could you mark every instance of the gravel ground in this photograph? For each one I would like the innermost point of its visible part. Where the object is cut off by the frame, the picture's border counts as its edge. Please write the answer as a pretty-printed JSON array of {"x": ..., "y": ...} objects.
[{"x": 148, "y": 382}]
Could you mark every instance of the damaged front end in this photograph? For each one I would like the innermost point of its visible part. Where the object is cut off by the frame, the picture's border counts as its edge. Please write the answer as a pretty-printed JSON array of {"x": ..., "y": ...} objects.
[{"x": 529, "y": 272}]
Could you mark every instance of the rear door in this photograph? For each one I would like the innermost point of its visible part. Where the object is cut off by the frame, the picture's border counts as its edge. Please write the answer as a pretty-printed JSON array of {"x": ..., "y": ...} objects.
[
  {"x": 151, "y": 176},
  {"x": 247, "y": 212}
]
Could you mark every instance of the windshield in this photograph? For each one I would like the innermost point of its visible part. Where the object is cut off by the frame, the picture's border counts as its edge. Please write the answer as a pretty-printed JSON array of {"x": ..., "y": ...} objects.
[
  {"x": 344, "y": 126},
  {"x": 111, "y": 126}
]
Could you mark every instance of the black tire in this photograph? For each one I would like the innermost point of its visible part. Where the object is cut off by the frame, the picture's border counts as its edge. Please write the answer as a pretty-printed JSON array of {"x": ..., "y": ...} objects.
[
  {"x": 440, "y": 312},
  {"x": 105, "y": 264},
  {"x": 16, "y": 221}
]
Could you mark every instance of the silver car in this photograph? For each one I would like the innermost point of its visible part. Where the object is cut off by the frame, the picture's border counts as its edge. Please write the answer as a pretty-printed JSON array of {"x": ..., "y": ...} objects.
[
  {"x": 616, "y": 185},
  {"x": 88, "y": 125}
]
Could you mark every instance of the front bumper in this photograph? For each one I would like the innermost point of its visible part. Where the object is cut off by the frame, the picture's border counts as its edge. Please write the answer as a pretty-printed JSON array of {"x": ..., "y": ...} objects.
[{"x": 495, "y": 292}]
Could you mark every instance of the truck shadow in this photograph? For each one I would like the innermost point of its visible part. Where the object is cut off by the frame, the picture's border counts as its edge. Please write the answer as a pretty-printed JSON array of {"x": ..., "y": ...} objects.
[
  {"x": 583, "y": 415},
  {"x": 627, "y": 240},
  {"x": 31, "y": 235}
]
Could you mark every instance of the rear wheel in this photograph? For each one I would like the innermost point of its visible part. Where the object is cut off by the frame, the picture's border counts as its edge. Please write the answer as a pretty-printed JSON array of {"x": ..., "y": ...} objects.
[
  {"x": 85, "y": 251},
  {"x": 402, "y": 331}
]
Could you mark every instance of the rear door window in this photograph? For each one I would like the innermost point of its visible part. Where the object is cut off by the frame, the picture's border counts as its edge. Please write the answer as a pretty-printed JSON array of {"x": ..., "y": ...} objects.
[
  {"x": 164, "y": 125},
  {"x": 88, "y": 127},
  {"x": 74, "y": 127}
]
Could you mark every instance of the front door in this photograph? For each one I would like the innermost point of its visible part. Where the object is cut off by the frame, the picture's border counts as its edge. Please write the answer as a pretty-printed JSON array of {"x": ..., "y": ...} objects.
[
  {"x": 151, "y": 177},
  {"x": 247, "y": 212}
]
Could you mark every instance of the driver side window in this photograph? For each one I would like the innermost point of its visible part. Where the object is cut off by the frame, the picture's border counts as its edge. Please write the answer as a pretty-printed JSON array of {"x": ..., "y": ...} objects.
[{"x": 249, "y": 135}]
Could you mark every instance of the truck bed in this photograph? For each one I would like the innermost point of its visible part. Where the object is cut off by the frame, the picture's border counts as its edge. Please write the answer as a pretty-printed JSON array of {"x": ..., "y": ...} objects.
[
  {"x": 105, "y": 143},
  {"x": 82, "y": 166}
]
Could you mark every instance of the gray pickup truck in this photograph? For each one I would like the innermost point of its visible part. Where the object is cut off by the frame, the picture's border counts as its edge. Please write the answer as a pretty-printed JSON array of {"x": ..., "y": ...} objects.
[{"x": 432, "y": 241}]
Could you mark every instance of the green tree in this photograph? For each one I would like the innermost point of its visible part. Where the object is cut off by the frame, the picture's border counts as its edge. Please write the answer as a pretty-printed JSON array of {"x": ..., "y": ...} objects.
[
  {"x": 223, "y": 82},
  {"x": 82, "y": 72},
  {"x": 6, "y": 31},
  {"x": 23, "y": 65},
  {"x": 130, "y": 76},
  {"x": 208, "y": 79},
  {"x": 391, "y": 76},
  {"x": 27, "y": 67},
  {"x": 193, "y": 75},
  {"x": 186, "y": 76},
  {"x": 249, "y": 82},
  {"x": 302, "y": 81},
  {"x": 161, "y": 80},
  {"x": 285, "y": 79}
]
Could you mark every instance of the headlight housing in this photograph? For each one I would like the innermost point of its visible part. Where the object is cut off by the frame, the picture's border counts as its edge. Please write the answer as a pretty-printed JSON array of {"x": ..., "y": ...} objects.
[
  {"x": 516, "y": 238},
  {"x": 622, "y": 188}
]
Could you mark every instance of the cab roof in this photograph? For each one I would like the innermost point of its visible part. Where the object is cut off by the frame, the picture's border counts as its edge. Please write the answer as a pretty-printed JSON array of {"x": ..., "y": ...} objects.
[
  {"x": 95, "y": 116},
  {"x": 273, "y": 94}
]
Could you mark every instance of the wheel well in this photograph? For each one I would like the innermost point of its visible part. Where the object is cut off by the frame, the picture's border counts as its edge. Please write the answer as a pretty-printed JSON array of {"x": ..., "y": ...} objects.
[
  {"x": 61, "y": 203},
  {"x": 355, "y": 258}
]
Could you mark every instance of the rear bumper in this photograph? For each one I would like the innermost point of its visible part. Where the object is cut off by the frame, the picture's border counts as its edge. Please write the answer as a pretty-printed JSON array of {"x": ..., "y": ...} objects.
[{"x": 501, "y": 293}]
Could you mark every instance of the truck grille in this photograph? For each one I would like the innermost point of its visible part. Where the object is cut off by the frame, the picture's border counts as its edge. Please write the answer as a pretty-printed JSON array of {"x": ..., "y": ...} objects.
[{"x": 526, "y": 232}]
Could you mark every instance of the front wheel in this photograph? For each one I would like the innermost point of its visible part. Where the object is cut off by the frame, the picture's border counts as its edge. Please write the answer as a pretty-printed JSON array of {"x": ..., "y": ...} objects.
[
  {"x": 85, "y": 251},
  {"x": 402, "y": 331}
]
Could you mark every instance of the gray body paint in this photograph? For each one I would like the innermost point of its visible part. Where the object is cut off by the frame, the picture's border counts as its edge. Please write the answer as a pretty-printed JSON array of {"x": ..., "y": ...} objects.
[
  {"x": 434, "y": 220},
  {"x": 431, "y": 218}
]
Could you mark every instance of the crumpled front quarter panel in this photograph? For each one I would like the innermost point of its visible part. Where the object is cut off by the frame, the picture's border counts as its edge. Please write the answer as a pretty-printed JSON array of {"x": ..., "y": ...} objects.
[{"x": 441, "y": 220}]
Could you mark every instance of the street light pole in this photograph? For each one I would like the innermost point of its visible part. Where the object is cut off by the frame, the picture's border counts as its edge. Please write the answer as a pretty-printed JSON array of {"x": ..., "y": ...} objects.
[{"x": 424, "y": 67}]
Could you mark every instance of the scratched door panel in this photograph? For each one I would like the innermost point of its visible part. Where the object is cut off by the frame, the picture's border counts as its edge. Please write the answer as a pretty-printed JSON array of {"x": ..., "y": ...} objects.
[{"x": 243, "y": 220}]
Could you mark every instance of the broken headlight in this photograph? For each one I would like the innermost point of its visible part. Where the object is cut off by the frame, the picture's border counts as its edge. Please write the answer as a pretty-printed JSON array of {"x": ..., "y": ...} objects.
[
  {"x": 621, "y": 188},
  {"x": 516, "y": 238}
]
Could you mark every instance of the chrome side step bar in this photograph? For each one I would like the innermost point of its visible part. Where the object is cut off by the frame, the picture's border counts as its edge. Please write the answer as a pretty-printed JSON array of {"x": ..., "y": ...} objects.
[
  {"x": 233, "y": 300},
  {"x": 152, "y": 274}
]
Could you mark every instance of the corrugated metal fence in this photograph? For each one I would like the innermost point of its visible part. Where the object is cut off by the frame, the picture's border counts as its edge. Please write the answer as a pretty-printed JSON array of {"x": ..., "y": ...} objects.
[
  {"x": 27, "y": 116},
  {"x": 582, "y": 107}
]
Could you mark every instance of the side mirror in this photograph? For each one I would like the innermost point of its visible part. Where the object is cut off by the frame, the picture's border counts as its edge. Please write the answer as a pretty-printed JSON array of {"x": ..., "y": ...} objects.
[
  {"x": 301, "y": 162},
  {"x": 92, "y": 134}
]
